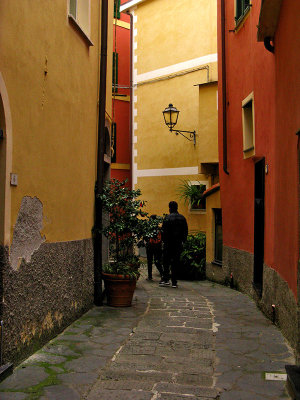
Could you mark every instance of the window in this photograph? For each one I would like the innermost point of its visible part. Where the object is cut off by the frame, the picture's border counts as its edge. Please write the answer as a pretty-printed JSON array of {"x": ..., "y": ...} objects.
[
  {"x": 241, "y": 8},
  {"x": 115, "y": 72},
  {"x": 218, "y": 236},
  {"x": 80, "y": 11},
  {"x": 117, "y": 4},
  {"x": 248, "y": 125},
  {"x": 197, "y": 202}
]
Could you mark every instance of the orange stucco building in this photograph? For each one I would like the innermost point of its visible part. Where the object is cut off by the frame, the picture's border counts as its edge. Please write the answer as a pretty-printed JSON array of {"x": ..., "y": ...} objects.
[{"x": 259, "y": 117}]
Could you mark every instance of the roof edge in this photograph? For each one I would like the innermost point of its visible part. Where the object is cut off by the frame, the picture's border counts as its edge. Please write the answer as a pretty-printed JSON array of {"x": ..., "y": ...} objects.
[{"x": 130, "y": 4}]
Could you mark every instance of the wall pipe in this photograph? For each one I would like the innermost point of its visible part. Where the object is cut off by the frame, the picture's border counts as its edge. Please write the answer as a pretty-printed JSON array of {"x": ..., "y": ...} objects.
[
  {"x": 100, "y": 158},
  {"x": 224, "y": 86}
]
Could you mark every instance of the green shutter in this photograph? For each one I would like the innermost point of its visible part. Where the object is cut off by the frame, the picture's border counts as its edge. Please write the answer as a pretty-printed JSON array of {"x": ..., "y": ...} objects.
[
  {"x": 115, "y": 72},
  {"x": 117, "y": 4}
]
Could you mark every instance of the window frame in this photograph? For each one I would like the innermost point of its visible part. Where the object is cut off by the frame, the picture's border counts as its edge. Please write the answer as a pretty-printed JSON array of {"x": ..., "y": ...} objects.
[
  {"x": 245, "y": 8},
  {"x": 74, "y": 20},
  {"x": 248, "y": 123}
]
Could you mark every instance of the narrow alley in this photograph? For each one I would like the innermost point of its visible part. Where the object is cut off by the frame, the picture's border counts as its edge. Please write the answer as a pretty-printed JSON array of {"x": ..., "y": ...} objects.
[{"x": 200, "y": 341}]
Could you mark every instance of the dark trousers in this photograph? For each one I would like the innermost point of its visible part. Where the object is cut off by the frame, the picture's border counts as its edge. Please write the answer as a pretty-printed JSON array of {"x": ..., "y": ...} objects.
[
  {"x": 154, "y": 254},
  {"x": 171, "y": 260}
]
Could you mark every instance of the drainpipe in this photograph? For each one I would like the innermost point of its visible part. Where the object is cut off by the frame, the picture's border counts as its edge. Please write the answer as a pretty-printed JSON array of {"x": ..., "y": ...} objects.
[
  {"x": 224, "y": 98},
  {"x": 100, "y": 158}
]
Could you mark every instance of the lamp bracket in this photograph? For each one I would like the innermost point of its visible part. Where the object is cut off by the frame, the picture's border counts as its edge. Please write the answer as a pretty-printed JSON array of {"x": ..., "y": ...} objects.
[{"x": 192, "y": 134}]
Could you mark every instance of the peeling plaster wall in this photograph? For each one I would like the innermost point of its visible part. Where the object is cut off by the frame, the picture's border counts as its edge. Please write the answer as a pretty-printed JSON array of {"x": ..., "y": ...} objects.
[
  {"x": 46, "y": 293},
  {"x": 27, "y": 237}
]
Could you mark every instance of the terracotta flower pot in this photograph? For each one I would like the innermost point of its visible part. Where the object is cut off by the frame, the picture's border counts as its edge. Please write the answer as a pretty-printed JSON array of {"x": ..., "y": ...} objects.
[{"x": 119, "y": 289}]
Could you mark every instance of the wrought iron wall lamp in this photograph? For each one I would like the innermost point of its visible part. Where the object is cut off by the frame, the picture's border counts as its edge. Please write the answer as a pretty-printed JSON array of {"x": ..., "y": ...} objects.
[{"x": 171, "y": 116}]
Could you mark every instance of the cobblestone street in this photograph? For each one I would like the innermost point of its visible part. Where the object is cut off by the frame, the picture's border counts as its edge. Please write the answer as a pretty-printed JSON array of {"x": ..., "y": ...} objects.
[{"x": 200, "y": 341}]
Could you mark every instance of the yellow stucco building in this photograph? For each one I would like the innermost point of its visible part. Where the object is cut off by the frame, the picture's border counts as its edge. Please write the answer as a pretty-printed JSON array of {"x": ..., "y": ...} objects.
[
  {"x": 49, "y": 113},
  {"x": 174, "y": 58}
]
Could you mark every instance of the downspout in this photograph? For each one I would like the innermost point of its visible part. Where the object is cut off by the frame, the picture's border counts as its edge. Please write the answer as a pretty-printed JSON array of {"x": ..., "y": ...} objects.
[
  {"x": 100, "y": 158},
  {"x": 224, "y": 86}
]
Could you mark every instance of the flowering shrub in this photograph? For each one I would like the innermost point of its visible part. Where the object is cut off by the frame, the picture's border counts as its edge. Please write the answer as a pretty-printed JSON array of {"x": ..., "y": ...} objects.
[{"x": 128, "y": 224}]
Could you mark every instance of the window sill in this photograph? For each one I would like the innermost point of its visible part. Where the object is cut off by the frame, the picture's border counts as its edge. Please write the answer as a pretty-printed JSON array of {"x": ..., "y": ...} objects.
[
  {"x": 195, "y": 211},
  {"x": 218, "y": 263},
  {"x": 78, "y": 28}
]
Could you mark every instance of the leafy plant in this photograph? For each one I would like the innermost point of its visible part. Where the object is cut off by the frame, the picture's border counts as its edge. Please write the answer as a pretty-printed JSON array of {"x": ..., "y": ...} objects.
[
  {"x": 128, "y": 224},
  {"x": 192, "y": 193},
  {"x": 193, "y": 258}
]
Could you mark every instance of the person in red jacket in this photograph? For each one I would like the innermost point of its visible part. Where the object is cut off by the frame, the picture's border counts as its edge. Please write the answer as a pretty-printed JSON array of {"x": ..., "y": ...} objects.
[
  {"x": 174, "y": 234},
  {"x": 154, "y": 253}
]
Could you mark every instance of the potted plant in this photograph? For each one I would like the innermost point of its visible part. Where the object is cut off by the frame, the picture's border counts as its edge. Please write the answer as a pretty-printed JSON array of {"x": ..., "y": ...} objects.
[
  {"x": 192, "y": 194},
  {"x": 193, "y": 258},
  {"x": 127, "y": 226}
]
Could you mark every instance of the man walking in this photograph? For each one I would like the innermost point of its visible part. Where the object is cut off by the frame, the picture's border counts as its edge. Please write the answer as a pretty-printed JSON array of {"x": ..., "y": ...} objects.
[{"x": 174, "y": 234}]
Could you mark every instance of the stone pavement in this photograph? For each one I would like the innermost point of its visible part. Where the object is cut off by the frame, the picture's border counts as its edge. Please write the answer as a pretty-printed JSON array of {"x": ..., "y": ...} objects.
[{"x": 200, "y": 341}]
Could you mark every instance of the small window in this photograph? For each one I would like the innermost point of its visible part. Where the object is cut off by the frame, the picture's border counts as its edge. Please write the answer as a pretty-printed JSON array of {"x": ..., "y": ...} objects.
[
  {"x": 241, "y": 8},
  {"x": 218, "y": 251},
  {"x": 80, "y": 11},
  {"x": 115, "y": 72},
  {"x": 197, "y": 201},
  {"x": 248, "y": 125},
  {"x": 117, "y": 4}
]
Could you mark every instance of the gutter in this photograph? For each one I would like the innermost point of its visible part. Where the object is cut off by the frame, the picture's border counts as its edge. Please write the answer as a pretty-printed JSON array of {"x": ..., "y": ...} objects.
[
  {"x": 98, "y": 297},
  {"x": 224, "y": 85}
]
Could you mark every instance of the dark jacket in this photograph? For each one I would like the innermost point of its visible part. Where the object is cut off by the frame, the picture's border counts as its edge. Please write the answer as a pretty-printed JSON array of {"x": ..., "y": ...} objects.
[{"x": 174, "y": 229}]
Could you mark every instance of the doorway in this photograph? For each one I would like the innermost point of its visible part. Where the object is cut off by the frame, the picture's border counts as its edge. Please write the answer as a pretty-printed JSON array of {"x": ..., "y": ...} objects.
[{"x": 259, "y": 225}]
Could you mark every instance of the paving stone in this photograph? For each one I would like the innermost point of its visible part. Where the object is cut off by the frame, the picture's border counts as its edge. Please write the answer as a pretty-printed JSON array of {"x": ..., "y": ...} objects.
[
  {"x": 59, "y": 349},
  {"x": 73, "y": 338},
  {"x": 195, "y": 379},
  {"x": 85, "y": 364},
  {"x": 24, "y": 377},
  {"x": 105, "y": 394},
  {"x": 44, "y": 357},
  {"x": 170, "y": 396},
  {"x": 60, "y": 392},
  {"x": 79, "y": 378},
  {"x": 12, "y": 396},
  {"x": 148, "y": 375},
  {"x": 186, "y": 389}
]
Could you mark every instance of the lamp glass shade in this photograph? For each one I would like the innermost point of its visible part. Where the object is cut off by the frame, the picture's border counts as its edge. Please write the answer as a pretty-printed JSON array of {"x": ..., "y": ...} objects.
[{"x": 170, "y": 115}]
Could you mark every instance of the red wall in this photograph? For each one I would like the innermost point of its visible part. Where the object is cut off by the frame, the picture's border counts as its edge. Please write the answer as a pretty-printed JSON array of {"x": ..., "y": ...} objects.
[
  {"x": 121, "y": 108},
  {"x": 275, "y": 81},
  {"x": 287, "y": 59}
]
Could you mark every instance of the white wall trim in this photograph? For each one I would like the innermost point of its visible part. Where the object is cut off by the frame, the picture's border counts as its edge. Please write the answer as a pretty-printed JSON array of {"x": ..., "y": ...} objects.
[
  {"x": 142, "y": 173},
  {"x": 171, "y": 69}
]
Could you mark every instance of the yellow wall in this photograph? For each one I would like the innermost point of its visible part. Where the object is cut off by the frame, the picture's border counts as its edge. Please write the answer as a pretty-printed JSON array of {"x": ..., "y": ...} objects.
[
  {"x": 186, "y": 30},
  {"x": 52, "y": 78},
  {"x": 164, "y": 38}
]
